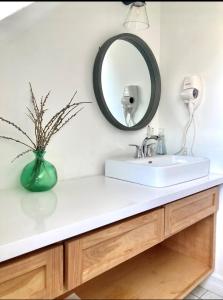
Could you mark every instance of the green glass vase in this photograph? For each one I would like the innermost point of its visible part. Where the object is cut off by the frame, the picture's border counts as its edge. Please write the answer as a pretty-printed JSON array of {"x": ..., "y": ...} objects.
[{"x": 39, "y": 175}]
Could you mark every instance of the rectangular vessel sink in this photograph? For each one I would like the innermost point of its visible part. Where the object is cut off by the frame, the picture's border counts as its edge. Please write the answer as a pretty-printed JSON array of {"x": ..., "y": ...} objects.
[{"x": 158, "y": 171}]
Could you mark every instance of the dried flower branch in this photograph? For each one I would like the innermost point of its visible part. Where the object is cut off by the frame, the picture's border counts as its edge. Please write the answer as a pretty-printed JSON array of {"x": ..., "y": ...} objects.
[
  {"x": 57, "y": 128},
  {"x": 21, "y": 154},
  {"x": 18, "y": 128},
  {"x": 15, "y": 140},
  {"x": 44, "y": 133}
]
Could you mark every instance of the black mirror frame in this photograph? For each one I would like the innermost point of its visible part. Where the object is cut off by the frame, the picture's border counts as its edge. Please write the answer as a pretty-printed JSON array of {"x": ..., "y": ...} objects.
[{"x": 153, "y": 68}]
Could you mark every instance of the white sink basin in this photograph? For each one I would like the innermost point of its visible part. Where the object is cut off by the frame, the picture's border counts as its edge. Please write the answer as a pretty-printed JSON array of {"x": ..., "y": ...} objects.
[{"x": 158, "y": 171}]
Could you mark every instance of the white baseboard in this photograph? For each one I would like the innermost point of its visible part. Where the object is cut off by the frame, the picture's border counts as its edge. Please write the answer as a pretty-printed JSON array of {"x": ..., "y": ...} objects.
[{"x": 214, "y": 284}]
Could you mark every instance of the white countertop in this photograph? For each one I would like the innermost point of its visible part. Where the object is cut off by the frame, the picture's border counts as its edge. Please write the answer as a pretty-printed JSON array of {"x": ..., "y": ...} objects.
[{"x": 29, "y": 221}]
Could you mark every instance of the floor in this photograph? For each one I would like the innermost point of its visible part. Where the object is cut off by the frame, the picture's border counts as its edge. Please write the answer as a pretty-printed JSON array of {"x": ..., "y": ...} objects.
[
  {"x": 201, "y": 293},
  {"x": 198, "y": 293},
  {"x": 72, "y": 297}
]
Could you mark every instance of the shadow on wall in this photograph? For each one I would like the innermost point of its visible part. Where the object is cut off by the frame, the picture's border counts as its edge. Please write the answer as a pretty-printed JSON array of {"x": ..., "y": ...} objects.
[{"x": 25, "y": 18}]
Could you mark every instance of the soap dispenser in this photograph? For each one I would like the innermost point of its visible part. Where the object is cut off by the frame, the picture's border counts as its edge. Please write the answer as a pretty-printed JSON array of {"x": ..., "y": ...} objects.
[{"x": 161, "y": 145}]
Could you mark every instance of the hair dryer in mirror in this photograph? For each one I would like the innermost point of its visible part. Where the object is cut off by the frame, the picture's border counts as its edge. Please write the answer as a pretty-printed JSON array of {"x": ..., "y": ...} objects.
[{"x": 130, "y": 101}]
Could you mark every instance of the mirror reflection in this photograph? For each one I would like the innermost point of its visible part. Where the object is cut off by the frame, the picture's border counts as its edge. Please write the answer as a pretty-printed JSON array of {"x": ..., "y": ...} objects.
[{"x": 126, "y": 83}]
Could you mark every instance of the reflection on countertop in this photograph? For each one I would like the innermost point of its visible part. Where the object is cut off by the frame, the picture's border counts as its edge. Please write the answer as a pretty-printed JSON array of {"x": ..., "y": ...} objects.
[{"x": 39, "y": 206}]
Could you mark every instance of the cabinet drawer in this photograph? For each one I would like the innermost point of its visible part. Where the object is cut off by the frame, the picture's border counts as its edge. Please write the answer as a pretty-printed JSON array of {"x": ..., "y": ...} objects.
[
  {"x": 101, "y": 250},
  {"x": 34, "y": 276},
  {"x": 187, "y": 211}
]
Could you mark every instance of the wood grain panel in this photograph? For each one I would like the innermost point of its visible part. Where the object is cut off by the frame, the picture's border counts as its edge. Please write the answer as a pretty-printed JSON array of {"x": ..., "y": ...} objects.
[
  {"x": 105, "y": 248},
  {"x": 38, "y": 275},
  {"x": 187, "y": 211},
  {"x": 154, "y": 274},
  {"x": 30, "y": 283},
  {"x": 118, "y": 228},
  {"x": 196, "y": 241},
  {"x": 73, "y": 263},
  {"x": 158, "y": 273}
]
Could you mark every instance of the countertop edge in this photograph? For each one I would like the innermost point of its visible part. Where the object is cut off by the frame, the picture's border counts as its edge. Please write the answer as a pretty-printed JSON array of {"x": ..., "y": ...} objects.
[{"x": 38, "y": 241}]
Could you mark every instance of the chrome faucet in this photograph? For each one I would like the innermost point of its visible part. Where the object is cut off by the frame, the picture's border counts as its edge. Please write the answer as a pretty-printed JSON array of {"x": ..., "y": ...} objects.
[
  {"x": 145, "y": 150},
  {"x": 138, "y": 153}
]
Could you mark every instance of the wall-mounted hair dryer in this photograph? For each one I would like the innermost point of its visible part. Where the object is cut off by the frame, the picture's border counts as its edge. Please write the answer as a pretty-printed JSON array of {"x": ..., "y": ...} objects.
[
  {"x": 191, "y": 90},
  {"x": 130, "y": 101},
  {"x": 191, "y": 95}
]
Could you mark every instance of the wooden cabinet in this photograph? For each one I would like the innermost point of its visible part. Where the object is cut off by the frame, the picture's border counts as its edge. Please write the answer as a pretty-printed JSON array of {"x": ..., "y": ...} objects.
[
  {"x": 37, "y": 275},
  {"x": 97, "y": 252},
  {"x": 142, "y": 257},
  {"x": 169, "y": 270},
  {"x": 185, "y": 212},
  {"x": 172, "y": 268}
]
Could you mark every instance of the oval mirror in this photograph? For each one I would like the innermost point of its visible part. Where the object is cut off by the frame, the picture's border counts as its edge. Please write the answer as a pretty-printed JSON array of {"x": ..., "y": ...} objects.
[{"x": 127, "y": 82}]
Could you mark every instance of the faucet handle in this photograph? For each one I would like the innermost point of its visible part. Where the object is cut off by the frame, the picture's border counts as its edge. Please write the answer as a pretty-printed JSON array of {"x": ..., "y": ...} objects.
[
  {"x": 138, "y": 153},
  {"x": 150, "y": 150}
]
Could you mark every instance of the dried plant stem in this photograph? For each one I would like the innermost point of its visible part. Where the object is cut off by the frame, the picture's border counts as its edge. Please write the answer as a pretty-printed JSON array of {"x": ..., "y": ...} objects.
[
  {"x": 17, "y": 141},
  {"x": 21, "y": 154},
  {"x": 18, "y": 128},
  {"x": 43, "y": 133},
  {"x": 33, "y": 99},
  {"x": 57, "y": 115},
  {"x": 57, "y": 119},
  {"x": 66, "y": 121},
  {"x": 56, "y": 129},
  {"x": 45, "y": 99}
]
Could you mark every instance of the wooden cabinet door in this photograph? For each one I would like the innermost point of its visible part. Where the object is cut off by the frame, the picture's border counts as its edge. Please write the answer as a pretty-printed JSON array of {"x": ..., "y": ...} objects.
[
  {"x": 101, "y": 250},
  {"x": 38, "y": 275},
  {"x": 187, "y": 211}
]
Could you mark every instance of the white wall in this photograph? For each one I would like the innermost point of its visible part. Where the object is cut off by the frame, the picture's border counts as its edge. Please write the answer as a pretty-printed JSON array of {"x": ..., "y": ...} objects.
[
  {"x": 192, "y": 43},
  {"x": 54, "y": 45}
]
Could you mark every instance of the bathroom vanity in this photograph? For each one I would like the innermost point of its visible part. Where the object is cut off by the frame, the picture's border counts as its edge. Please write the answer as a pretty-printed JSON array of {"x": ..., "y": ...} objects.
[{"x": 107, "y": 239}]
